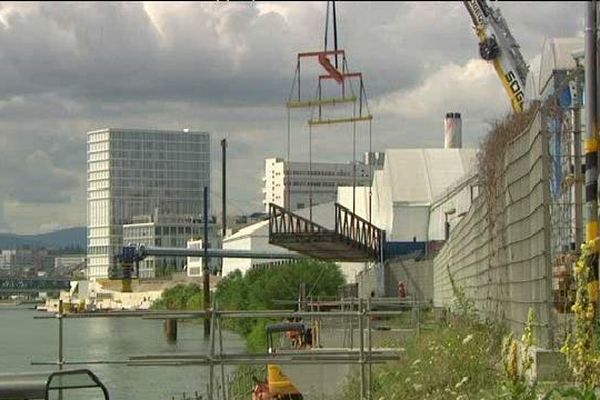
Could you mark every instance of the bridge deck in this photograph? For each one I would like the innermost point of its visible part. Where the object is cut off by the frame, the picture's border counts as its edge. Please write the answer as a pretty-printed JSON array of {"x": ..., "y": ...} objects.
[{"x": 353, "y": 239}]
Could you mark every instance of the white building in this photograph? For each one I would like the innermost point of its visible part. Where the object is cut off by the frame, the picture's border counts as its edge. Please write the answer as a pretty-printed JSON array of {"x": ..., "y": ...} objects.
[
  {"x": 133, "y": 172},
  {"x": 405, "y": 189},
  {"x": 289, "y": 184},
  {"x": 195, "y": 265},
  {"x": 256, "y": 238},
  {"x": 8, "y": 259},
  {"x": 69, "y": 262}
]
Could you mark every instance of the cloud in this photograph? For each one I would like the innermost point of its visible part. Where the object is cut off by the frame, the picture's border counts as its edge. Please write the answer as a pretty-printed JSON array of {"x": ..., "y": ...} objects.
[
  {"x": 473, "y": 88},
  {"x": 66, "y": 68},
  {"x": 45, "y": 183}
]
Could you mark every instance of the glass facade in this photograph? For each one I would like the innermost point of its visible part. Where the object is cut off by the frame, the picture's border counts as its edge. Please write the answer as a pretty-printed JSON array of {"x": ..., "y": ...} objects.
[{"x": 132, "y": 172}]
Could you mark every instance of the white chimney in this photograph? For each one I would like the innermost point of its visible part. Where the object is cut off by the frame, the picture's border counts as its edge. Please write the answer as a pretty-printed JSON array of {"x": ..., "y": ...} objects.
[{"x": 452, "y": 131}]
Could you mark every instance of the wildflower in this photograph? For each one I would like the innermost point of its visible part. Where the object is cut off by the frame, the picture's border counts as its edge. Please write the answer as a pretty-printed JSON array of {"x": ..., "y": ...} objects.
[
  {"x": 462, "y": 382},
  {"x": 467, "y": 339},
  {"x": 512, "y": 365}
]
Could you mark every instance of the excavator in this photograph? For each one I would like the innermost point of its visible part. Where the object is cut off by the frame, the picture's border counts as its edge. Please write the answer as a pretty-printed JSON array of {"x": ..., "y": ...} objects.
[{"x": 498, "y": 46}]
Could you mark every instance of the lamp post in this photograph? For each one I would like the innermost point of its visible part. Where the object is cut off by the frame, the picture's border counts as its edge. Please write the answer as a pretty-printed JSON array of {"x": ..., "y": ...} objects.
[{"x": 447, "y": 224}]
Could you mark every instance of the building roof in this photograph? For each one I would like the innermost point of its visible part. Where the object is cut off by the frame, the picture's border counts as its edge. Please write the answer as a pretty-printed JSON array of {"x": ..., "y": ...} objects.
[
  {"x": 421, "y": 175},
  {"x": 557, "y": 54},
  {"x": 250, "y": 230}
]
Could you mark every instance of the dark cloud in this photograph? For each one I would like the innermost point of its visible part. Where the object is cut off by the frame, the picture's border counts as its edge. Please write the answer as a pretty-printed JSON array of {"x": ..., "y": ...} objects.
[{"x": 66, "y": 68}]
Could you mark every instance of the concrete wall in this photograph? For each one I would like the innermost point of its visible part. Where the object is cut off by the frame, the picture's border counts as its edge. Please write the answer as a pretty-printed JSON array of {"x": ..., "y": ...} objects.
[
  {"x": 499, "y": 253},
  {"x": 416, "y": 275}
]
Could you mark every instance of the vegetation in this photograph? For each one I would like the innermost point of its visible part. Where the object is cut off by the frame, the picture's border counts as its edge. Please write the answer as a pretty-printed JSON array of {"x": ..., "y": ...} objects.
[
  {"x": 463, "y": 358},
  {"x": 260, "y": 287},
  {"x": 180, "y": 297},
  {"x": 257, "y": 290}
]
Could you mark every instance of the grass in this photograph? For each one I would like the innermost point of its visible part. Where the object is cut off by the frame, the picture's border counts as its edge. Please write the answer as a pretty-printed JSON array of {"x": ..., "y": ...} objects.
[{"x": 459, "y": 360}]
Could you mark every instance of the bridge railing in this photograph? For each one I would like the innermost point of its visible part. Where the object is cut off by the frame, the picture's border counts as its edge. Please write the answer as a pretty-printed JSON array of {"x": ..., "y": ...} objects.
[
  {"x": 23, "y": 285},
  {"x": 359, "y": 230},
  {"x": 282, "y": 221}
]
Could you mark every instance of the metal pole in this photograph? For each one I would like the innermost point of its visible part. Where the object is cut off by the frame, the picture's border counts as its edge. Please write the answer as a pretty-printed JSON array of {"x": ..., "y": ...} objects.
[
  {"x": 61, "y": 358},
  {"x": 591, "y": 141},
  {"x": 576, "y": 125},
  {"x": 205, "y": 275},
  {"x": 224, "y": 191},
  {"x": 223, "y": 387},
  {"x": 211, "y": 374},
  {"x": 351, "y": 324},
  {"x": 335, "y": 41},
  {"x": 370, "y": 349},
  {"x": 361, "y": 354}
]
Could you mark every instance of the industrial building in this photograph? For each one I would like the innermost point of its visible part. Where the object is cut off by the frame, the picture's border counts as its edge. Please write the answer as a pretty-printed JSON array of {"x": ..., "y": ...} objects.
[
  {"x": 288, "y": 184},
  {"x": 132, "y": 172},
  {"x": 409, "y": 184},
  {"x": 412, "y": 197}
]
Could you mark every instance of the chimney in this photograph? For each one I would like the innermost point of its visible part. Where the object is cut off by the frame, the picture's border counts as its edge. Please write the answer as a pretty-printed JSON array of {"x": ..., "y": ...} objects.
[{"x": 452, "y": 131}]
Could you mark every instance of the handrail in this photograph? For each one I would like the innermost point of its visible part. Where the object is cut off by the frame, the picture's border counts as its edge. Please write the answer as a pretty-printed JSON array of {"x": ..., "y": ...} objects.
[
  {"x": 358, "y": 229},
  {"x": 286, "y": 222}
]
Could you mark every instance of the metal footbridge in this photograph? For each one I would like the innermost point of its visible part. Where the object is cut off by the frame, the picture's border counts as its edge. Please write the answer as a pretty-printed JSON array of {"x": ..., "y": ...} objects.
[
  {"x": 353, "y": 238},
  {"x": 14, "y": 285}
]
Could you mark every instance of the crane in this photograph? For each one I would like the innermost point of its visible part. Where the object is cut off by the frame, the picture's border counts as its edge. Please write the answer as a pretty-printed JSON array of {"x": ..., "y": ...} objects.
[{"x": 497, "y": 45}]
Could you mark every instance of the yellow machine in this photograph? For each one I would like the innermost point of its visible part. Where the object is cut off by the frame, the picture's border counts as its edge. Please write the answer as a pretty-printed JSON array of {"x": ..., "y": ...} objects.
[
  {"x": 296, "y": 337},
  {"x": 498, "y": 46}
]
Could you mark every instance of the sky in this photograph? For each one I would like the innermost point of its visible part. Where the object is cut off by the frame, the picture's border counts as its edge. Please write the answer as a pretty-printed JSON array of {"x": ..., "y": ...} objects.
[{"x": 227, "y": 68}]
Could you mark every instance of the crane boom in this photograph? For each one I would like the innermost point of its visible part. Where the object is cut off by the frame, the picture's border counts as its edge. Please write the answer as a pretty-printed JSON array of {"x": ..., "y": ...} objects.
[{"x": 497, "y": 45}]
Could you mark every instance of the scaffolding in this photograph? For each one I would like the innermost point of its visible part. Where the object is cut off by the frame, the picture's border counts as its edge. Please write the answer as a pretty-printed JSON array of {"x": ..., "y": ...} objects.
[
  {"x": 357, "y": 313},
  {"x": 562, "y": 122}
]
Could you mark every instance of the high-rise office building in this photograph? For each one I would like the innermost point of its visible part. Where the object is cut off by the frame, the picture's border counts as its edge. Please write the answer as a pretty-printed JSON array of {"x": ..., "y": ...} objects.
[{"x": 133, "y": 172}]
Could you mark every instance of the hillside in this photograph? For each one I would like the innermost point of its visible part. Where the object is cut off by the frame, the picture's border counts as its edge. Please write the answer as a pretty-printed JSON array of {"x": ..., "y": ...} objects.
[{"x": 62, "y": 238}]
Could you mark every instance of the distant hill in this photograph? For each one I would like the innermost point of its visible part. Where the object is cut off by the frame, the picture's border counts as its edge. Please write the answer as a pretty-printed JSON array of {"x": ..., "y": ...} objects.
[{"x": 71, "y": 237}]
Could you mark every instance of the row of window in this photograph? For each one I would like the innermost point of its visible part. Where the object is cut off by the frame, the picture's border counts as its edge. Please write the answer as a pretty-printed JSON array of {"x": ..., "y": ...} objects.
[
  {"x": 160, "y": 154},
  {"x": 327, "y": 173},
  {"x": 314, "y": 184},
  {"x": 180, "y": 164},
  {"x": 163, "y": 145},
  {"x": 158, "y": 174},
  {"x": 138, "y": 136},
  {"x": 160, "y": 231}
]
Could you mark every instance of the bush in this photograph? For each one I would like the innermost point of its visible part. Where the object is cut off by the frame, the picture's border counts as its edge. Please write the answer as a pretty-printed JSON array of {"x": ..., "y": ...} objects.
[
  {"x": 258, "y": 289},
  {"x": 180, "y": 297}
]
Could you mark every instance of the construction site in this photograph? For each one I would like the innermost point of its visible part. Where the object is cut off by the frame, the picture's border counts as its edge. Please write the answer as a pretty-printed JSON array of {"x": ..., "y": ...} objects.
[{"x": 503, "y": 235}]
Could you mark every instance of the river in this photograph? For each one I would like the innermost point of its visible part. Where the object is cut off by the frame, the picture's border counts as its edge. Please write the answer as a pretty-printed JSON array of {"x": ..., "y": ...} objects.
[{"x": 24, "y": 339}]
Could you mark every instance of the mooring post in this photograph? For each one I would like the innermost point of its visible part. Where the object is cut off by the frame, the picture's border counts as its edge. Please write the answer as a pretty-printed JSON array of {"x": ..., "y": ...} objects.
[{"x": 170, "y": 329}]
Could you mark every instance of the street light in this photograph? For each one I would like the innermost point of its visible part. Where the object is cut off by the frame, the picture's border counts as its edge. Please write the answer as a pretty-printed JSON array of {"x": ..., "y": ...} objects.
[{"x": 447, "y": 224}]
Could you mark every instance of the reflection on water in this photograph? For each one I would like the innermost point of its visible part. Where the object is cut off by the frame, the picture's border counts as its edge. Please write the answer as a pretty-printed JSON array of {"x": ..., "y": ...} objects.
[{"x": 23, "y": 339}]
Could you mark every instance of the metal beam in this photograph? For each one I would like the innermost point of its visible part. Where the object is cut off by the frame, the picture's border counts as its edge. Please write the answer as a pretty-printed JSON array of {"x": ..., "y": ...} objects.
[
  {"x": 216, "y": 253},
  {"x": 339, "y": 120},
  {"x": 322, "y": 102}
]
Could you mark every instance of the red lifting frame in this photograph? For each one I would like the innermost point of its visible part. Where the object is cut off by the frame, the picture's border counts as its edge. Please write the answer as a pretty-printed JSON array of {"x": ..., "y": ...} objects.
[{"x": 325, "y": 63}]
